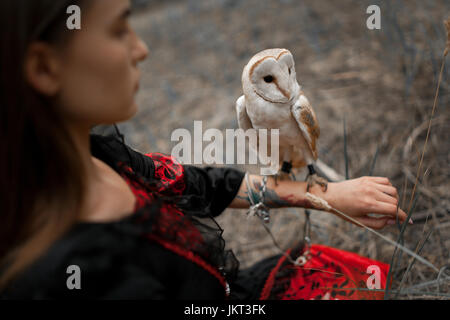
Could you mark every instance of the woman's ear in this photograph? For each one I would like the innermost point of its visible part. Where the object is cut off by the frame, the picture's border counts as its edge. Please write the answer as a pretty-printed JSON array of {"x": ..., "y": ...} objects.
[{"x": 42, "y": 68}]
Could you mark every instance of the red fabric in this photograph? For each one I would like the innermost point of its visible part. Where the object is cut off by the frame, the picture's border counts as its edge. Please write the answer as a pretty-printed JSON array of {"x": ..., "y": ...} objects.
[
  {"x": 170, "y": 172},
  {"x": 329, "y": 274},
  {"x": 171, "y": 223},
  {"x": 171, "y": 175}
]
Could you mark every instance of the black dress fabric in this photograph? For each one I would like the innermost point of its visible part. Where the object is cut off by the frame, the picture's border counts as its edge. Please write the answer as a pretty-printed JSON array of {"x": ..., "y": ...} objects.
[{"x": 117, "y": 263}]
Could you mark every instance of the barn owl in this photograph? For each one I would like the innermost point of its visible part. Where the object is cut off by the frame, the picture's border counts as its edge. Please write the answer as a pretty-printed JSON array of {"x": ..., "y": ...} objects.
[{"x": 273, "y": 99}]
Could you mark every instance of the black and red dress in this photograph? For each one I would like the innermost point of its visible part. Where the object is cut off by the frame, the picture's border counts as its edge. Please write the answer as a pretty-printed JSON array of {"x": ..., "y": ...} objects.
[{"x": 172, "y": 248}]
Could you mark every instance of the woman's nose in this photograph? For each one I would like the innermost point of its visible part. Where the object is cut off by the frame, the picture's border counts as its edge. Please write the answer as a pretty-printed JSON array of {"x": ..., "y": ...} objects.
[{"x": 141, "y": 50}]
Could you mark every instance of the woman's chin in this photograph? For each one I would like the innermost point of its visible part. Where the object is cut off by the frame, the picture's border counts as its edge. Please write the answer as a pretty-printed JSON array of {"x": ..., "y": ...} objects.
[
  {"x": 134, "y": 109},
  {"x": 131, "y": 112},
  {"x": 124, "y": 114}
]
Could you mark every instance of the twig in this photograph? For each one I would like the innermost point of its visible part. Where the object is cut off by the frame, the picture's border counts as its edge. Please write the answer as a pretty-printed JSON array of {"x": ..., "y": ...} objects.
[
  {"x": 440, "y": 211},
  {"x": 345, "y": 151},
  {"x": 426, "y": 284},
  {"x": 433, "y": 294},
  {"x": 417, "y": 131},
  {"x": 402, "y": 229},
  {"x": 441, "y": 272},
  {"x": 419, "y": 186},
  {"x": 411, "y": 263},
  {"x": 372, "y": 166}
]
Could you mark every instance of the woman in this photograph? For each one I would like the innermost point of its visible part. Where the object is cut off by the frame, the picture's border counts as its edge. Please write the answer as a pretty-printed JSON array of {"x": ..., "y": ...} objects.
[{"x": 70, "y": 199}]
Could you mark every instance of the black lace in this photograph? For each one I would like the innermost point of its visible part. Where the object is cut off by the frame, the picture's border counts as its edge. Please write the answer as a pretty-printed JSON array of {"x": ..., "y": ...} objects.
[{"x": 211, "y": 248}]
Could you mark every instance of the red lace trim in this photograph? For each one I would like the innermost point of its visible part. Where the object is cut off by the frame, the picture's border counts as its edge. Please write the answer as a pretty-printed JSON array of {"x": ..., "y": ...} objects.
[
  {"x": 191, "y": 257},
  {"x": 270, "y": 281},
  {"x": 171, "y": 174}
]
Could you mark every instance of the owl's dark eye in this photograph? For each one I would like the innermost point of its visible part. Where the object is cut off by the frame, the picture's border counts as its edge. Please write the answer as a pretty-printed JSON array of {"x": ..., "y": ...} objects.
[
  {"x": 289, "y": 70},
  {"x": 268, "y": 79}
]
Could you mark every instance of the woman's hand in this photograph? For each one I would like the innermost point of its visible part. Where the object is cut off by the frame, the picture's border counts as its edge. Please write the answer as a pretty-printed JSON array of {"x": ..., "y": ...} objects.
[{"x": 361, "y": 196}]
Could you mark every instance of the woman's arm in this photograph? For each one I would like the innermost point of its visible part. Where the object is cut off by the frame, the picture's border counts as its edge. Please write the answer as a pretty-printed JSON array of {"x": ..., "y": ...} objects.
[{"x": 356, "y": 197}]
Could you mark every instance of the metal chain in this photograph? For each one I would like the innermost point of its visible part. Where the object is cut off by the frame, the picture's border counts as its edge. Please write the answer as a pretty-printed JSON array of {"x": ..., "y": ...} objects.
[
  {"x": 301, "y": 260},
  {"x": 262, "y": 211},
  {"x": 259, "y": 209}
]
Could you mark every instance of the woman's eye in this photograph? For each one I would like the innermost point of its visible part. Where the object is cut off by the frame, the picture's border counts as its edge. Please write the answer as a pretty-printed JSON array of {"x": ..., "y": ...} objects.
[
  {"x": 268, "y": 79},
  {"x": 122, "y": 30}
]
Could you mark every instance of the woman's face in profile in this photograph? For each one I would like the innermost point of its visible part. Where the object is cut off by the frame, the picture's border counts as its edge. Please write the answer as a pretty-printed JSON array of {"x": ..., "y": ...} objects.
[{"x": 98, "y": 76}]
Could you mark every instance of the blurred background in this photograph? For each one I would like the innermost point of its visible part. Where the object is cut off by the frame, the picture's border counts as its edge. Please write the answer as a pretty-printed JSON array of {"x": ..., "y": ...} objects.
[{"x": 382, "y": 82}]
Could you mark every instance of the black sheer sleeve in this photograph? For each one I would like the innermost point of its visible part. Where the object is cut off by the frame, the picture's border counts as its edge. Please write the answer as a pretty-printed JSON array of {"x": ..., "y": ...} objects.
[
  {"x": 215, "y": 187},
  {"x": 111, "y": 150}
]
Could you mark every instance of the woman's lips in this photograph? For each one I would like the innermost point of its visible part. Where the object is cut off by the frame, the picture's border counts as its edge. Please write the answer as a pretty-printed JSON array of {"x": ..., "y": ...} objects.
[{"x": 136, "y": 87}]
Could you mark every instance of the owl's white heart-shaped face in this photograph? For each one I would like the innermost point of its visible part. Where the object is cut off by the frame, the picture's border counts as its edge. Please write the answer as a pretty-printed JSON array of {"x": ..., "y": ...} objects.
[{"x": 273, "y": 78}]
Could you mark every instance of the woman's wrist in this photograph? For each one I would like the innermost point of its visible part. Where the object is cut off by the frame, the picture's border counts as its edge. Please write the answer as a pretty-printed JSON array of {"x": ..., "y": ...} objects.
[
  {"x": 285, "y": 193},
  {"x": 328, "y": 195}
]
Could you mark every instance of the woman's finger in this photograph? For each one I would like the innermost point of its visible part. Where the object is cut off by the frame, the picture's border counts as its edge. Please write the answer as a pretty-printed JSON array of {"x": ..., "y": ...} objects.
[
  {"x": 390, "y": 190},
  {"x": 381, "y": 196},
  {"x": 390, "y": 210},
  {"x": 382, "y": 180},
  {"x": 372, "y": 222}
]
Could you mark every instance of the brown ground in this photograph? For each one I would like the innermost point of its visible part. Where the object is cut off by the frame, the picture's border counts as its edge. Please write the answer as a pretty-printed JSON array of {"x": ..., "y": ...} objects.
[{"x": 382, "y": 81}]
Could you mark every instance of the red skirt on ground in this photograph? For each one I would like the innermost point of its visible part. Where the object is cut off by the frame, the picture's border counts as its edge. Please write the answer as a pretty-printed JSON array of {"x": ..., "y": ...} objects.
[{"x": 329, "y": 274}]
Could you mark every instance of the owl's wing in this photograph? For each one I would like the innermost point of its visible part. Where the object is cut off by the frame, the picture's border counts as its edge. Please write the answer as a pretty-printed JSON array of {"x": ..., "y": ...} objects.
[
  {"x": 306, "y": 119},
  {"x": 242, "y": 116},
  {"x": 244, "y": 120}
]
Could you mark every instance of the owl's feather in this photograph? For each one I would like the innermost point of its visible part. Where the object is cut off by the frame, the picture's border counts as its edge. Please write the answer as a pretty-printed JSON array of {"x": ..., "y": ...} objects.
[
  {"x": 307, "y": 122},
  {"x": 243, "y": 119}
]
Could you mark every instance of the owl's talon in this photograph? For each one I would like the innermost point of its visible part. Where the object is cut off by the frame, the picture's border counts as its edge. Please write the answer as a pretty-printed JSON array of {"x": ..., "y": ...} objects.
[
  {"x": 280, "y": 176},
  {"x": 315, "y": 179},
  {"x": 284, "y": 176}
]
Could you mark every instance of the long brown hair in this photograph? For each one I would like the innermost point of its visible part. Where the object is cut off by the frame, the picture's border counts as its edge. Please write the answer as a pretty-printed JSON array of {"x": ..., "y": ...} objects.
[{"x": 41, "y": 176}]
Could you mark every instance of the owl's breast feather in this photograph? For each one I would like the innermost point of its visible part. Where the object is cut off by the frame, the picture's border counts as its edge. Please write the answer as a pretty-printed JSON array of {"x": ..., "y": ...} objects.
[{"x": 271, "y": 116}]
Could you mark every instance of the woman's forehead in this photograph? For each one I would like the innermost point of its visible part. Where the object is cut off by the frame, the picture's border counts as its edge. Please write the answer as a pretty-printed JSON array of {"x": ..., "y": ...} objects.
[{"x": 108, "y": 11}]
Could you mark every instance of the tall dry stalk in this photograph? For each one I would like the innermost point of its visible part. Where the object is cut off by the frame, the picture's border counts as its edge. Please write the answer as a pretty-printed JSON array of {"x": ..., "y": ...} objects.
[
  {"x": 447, "y": 49},
  {"x": 447, "y": 25}
]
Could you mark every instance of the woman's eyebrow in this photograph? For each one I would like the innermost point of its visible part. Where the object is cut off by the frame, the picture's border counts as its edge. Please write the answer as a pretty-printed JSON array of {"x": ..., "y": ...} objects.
[{"x": 124, "y": 14}]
